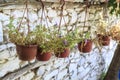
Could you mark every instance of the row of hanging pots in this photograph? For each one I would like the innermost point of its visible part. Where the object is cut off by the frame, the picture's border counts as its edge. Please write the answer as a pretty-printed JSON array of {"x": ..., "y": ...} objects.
[
  {"x": 86, "y": 45},
  {"x": 27, "y": 53}
]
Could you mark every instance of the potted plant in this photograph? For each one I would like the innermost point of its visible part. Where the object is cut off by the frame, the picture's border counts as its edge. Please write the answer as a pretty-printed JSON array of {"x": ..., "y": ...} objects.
[
  {"x": 85, "y": 43},
  {"x": 115, "y": 32},
  {"x": 44, "y": 42},
  {"x": 44, "y": 51},
  {"x": 63, "y": 44},
  {"x": 103, "y": 34},
  {"x": 25, "y": 43}
]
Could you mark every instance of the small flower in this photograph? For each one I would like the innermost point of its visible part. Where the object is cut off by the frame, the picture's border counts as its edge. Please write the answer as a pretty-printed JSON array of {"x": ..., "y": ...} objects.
[{"x": 65, "y": 42}]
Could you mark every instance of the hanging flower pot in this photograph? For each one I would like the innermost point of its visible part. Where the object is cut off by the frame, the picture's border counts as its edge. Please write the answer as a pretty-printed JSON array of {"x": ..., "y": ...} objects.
[
  {"x": 104, "y": 40},
  {"x": 65, "y": 53},
  {"x": 115, "y": 32},
  {"x": 43, "y": 56},
  {"x": 85, "y": 46},
  {"x": 26, "y": 52}
]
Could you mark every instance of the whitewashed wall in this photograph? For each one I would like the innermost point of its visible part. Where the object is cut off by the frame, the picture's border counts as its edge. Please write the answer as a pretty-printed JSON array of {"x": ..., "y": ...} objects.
[
  {"x": 77, "y": 66},
  {"x": 1, "y": 32}
]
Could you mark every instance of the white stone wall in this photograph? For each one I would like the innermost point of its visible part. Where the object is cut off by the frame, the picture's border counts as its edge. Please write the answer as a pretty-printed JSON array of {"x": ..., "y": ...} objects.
[
  {"x": 77, "y": 66},
  {"x": 1, "y": 33}
]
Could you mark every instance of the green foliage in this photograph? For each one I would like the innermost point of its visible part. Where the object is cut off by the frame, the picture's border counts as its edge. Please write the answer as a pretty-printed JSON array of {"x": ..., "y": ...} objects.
[
  {"x": 19, "y": 37},
  {"x": 114, "y": 7},
  {"x": 48, "y": 40},
  {"x": 102, "y": 76},
  {"x": 70, "y": 39},
  {"x": 44, "y": 39}
]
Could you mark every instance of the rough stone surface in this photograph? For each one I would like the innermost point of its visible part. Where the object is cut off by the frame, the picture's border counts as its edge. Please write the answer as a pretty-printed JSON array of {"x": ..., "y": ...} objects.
[{"x": 78, "y": 66}]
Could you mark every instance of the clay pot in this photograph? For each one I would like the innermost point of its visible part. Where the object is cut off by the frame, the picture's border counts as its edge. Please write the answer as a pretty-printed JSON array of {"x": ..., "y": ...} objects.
[
  {"x": 85, "y": 46},
  {"x": 26, "y": 52},
  {"x": 104, "y": 40},
  {"x": 43, "y": 56},
  {"x": 64, "y": 54}
]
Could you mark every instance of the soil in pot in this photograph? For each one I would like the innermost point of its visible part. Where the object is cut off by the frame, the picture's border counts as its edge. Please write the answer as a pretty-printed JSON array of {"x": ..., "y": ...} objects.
[
  {"x": 85, "y": 46},
  {"x": 26, "y": 52},
  {"x": 63, "y": 54}
]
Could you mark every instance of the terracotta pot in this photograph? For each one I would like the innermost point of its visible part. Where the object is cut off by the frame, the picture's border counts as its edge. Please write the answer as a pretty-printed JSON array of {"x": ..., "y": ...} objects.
[
  {"x": 85, "y": 46},
  {"x": 64, "y": 54},
  {"x": 27, "y": 52},
  {"x": 43, "y": 56},
  {"x": 104, "y": 40}
]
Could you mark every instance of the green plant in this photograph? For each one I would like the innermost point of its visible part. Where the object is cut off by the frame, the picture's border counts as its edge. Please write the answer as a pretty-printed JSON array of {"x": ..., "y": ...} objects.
[
  {"x": 102, "y": 27},
  {"x": 114, "y": 7},
  {"x": 44, "y": 39},
  {"x": 20, "y": 37},
  {"x": 102, "y": 76},
  {"x": 67, "y": 40}
]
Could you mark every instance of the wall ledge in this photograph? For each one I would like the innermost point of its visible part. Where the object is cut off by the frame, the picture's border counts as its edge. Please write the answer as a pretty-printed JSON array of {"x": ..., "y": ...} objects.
[{"x": 18, "y": 2}]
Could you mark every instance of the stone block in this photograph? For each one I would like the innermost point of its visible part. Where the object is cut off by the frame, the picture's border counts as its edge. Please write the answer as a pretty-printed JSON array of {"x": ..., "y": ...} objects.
[
  {"x": 49, "y": 66},
  {"x": 7, "y": 50},
  {"x": 7, "y": 12},
  {"x": 5, "y": 23},
  {"x": 8, "y": 66},
  {"x": 82, "y": 74},
  {"x": 82, "y": 61},
  {"x": 64, "y": 66},
  {"x": 52, "y": 13},
  {"x": 41, "y": 71},
  {"x": 80, "y": 69},
  {"x": 23, "y": 63},
  {"x": 72, "y": 67},
  {"x": 17, "y": 13},
  {"x": 4, "y": 17},
  {"x": 1, "y": 32},
  {"x": 74, "y": 17},
  {"x": 4, "y": 54},
  {"x": 66, "y": 78},
  {"x": 40, "y": 14},
  {"x": 32, "y": 17},
  {"x": 74, "y": 75},
  {"x": 27, "y": 76},
  {"x": 61, "y": 74},
  {"x": 77, "y": 55},
  {"x": 71, "y": 56},
  {"x": 58, "y": 64},
  {"x": 50, "y": 75}
]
